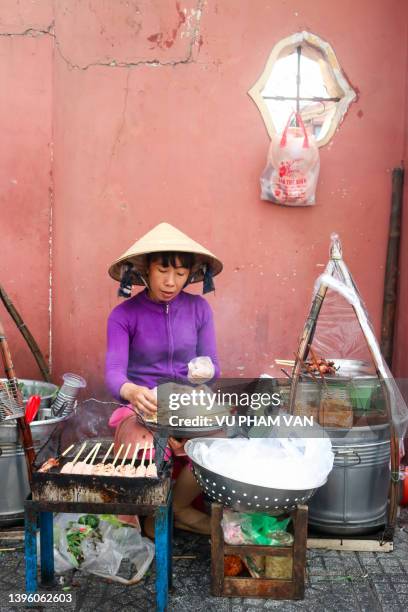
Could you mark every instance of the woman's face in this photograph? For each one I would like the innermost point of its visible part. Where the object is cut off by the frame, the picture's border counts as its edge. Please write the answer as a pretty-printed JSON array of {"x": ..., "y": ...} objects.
[{"x": 166, "y": 282}]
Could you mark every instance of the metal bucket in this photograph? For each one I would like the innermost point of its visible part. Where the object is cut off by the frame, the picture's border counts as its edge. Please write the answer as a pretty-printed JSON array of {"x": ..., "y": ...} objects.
[
  {"x": 14, "y": 486},
  {"x": 355, "y": 497},
  {"x": 47, "y": 392}
]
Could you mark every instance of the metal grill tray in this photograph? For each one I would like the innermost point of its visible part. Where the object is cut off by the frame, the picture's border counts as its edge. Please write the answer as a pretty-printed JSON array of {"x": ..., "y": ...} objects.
[
  {"x": 54, "y": 486},
  {"x": 246, "y": 497}
]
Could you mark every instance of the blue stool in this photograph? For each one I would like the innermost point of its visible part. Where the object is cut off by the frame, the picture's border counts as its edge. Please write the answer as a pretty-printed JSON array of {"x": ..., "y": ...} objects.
[{"x": 41, "y": 512}]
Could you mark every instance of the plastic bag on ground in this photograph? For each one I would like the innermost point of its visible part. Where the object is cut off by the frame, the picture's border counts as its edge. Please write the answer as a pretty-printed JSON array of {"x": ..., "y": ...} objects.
[{"x": 97, "y": 544}]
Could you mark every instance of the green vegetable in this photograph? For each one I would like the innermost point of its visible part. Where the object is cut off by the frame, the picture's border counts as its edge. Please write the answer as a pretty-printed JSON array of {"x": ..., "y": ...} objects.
[
  {"x": 113, "y": 520},
  {"x": 89, "y": 519}
]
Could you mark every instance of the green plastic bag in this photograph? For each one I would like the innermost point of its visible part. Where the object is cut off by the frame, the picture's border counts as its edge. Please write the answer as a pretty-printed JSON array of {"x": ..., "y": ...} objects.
[{"x": 266, "y": 530}]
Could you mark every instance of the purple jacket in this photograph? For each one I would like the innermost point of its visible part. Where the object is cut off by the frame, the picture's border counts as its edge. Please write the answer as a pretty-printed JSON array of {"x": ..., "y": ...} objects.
[{"x": 148, "y": 341}]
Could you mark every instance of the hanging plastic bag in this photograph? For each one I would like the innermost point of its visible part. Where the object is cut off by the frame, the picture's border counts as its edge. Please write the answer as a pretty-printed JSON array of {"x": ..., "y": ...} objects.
[
  {"x": 292, "y": 169},
  {"x": 97, "y": 544}
]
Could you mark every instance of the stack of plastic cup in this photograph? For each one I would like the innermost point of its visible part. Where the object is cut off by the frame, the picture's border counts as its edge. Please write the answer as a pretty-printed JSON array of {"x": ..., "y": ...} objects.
[{"x": 64, "y": 403}]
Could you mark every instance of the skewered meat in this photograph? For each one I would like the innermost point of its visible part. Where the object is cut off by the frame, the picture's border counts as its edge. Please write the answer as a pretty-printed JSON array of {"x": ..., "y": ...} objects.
[
  {"x": 151, "y": 471},
  {"x": 47, "y": 465},
  {"x": 125, "y": 470},
  {"x": 67, "y": 468},
  {"x": 78, "y": 468},
  {"x": 88, "y": 469},
  {"x": 141, "y": 471},
  {"x": 104, "y": 469},
  {"x": 318, "y": 365}
]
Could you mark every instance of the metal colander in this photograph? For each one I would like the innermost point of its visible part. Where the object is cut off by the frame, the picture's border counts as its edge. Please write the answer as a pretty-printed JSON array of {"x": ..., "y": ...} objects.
[{"x": 243, "y": 496}]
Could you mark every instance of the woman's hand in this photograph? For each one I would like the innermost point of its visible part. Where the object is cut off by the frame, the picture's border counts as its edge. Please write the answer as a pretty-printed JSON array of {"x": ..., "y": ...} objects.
[{"x": 141, "y": 398}]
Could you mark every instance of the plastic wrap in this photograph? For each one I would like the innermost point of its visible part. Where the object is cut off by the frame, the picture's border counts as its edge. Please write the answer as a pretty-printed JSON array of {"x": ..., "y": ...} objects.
[
  {"x": 344, "y": 331},
  {"x": 277, "y": 463}
]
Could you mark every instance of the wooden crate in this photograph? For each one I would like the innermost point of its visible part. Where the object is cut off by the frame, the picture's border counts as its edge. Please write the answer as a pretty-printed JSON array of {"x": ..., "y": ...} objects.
[{"x": 271, "y": 588}]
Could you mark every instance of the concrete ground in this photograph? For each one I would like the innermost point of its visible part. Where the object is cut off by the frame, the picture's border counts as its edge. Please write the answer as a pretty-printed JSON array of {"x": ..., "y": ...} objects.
[{"x": 336, "y": 582}]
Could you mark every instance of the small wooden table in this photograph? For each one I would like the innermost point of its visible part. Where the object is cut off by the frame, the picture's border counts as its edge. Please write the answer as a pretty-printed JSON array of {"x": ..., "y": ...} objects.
[{"x": 227, "y": 586}]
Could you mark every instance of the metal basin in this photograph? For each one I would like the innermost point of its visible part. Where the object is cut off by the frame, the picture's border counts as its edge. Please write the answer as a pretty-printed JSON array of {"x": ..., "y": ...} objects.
[
  {"x": 14, "y": 486},
  {"x": 47, "y": 391},
  {"x": 243, "y": 496}
]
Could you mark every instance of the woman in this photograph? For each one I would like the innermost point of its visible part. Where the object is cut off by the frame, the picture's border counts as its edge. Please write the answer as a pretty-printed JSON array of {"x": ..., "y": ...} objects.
[{"x": 156, "y": 334}]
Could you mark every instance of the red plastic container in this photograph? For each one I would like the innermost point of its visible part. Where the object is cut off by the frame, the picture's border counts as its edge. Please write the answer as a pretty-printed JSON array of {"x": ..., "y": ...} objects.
[{"x": 404, "y": 500}]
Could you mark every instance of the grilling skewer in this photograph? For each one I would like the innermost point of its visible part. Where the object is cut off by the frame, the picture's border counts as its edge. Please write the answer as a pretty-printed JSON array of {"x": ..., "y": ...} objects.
[
  {"x": 89, "y": 469},
  {"x": 67, "y": 468},
  {"x": 108, "y": 452},
  {"x": 121, "y": 469},
  {"x": 141, "y": 470},
  {"x": 126, "y": 454},
  {"x": 132, "y": 463},
  {"x": 101, "y": 468},
  {"x": 81, "y": 466},
  {"x": 117, "y": 455},
  {"x": 51, "y": 462},
  {"x": 151, "y": 471}
]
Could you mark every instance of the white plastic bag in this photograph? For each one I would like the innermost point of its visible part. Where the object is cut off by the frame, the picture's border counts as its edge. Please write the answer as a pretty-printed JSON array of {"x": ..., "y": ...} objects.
[
  {"x": 100, "y": 550},
  {"x": 200, "y": 370},
  {"x": 292, "y": 169}
]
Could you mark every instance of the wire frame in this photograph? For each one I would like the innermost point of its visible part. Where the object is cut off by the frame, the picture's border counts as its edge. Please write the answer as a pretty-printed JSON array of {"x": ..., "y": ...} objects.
[{"x": 10, "y": 407}]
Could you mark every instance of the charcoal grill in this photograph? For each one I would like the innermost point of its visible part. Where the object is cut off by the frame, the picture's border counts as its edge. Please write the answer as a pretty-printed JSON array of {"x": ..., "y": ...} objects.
[
  {"x": 95, "y": 494},
  {"x": 97, "y": 489}
]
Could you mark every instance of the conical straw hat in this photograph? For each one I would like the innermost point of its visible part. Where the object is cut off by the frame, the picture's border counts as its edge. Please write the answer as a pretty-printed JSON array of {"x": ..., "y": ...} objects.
[{"x": 165, "y": 237}]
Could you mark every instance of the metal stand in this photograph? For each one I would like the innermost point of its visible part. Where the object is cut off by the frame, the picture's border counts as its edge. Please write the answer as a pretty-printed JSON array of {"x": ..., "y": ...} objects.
[
  {"x": 337, "y": 265},
  {"x": 41, "y": 512}
]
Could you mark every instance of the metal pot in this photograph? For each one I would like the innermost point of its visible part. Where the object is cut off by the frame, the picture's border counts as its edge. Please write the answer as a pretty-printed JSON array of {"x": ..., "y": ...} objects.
[
  {"x": 355, "y": 497},
  {"x": 14, "y": 486}
]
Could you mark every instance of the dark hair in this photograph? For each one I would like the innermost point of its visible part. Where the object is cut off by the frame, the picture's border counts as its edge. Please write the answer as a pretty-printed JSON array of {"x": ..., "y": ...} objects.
[{"x": 167, "y": 258}]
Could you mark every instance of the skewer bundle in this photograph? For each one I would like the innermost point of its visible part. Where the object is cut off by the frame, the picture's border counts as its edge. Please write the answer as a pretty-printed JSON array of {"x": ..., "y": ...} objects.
[{"x": 87, "y": 467}]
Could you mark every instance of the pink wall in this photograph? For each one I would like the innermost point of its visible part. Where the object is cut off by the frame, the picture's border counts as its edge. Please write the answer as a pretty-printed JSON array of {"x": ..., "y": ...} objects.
[
  {"x": 151, "y": 122},
  {"x": 26, "y": 59}
]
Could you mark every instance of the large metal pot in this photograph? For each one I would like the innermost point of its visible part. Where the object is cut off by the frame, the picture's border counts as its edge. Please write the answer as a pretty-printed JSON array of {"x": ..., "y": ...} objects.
[
  {"x": 355, "y": 496},
  {"x": 14, "y": 486}
]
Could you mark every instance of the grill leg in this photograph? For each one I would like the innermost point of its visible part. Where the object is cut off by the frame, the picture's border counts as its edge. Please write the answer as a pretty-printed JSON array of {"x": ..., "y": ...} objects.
[
  {"x": 30, "y": 544},
  {"x": 162, "y": 557},
  {"x": 170, "y": 542},
  {"x": 47, "y": 548}
]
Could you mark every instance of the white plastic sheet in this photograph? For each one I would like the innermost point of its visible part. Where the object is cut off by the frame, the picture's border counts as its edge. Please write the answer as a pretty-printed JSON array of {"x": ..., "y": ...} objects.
[{"x": 277, "y": 463}]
